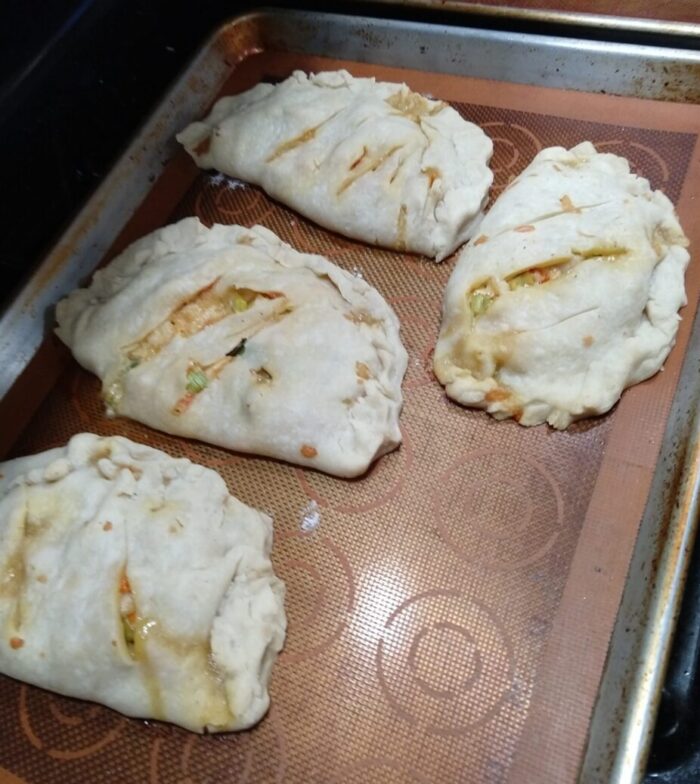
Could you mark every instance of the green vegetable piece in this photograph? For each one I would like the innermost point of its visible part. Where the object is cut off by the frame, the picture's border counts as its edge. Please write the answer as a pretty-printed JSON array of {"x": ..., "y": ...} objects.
[
  {"x": 128, "y": 631},
  {"x": 238, "y": 303},
  {"x": 479, "y": 302},
  {"x": 524, "y": 279},
  {"x": 239, "y": 348},
  {"x": 601, "y": 251},
  {"x": 196, "y": 381}
]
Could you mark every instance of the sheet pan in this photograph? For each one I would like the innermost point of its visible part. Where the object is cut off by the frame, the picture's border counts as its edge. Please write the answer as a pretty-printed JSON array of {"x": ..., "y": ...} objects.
[{"x": 457, "y": 610}]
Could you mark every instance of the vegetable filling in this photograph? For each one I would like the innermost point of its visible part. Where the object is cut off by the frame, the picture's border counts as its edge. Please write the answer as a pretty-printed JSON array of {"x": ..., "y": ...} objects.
[
  {"x": 207, "y": 307},
  {"x": 127, "y": 610},
  {"x": 198, "y": 379},
  {"x": 484, "y": 295},
  {"x": 135, "y": 629}
]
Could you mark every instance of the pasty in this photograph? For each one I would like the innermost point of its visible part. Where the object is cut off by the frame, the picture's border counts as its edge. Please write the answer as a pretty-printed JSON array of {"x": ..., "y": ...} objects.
[
  {"x": 569, "y": 294},
  {"x": 230, "y": 336},
  {"x": 371, "y": 160},
  {"x": 136, "y": 580}
]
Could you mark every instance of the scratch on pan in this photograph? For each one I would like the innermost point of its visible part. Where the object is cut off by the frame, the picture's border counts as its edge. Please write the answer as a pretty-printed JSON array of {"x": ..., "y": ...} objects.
[{"x": 310, "y": 517}]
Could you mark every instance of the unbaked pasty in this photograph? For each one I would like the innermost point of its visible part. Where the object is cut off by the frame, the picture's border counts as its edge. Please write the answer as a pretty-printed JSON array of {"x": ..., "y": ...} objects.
[
  {"x": 569, "y": 294},
  {"x": 370, "y": 160},
  {"x": 230, "y": 336},
  {"x": 136, "y": 580}
]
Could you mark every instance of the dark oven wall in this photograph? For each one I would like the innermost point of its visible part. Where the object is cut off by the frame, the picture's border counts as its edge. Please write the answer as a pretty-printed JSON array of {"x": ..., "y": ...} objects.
[{"x": 76, "y": 81}]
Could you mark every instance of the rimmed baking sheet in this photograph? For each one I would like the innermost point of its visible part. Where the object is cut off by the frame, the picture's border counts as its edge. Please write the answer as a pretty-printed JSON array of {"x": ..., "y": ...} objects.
[{"x": 450, "y": 616}]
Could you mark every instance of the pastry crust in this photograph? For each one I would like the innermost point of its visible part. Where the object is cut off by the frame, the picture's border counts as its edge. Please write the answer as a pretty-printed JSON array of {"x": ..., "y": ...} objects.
[
  {"x": 229, "y": 335},
  {"x": 136, "y": 580},
  {"x": 371, "y": 160},
  {"x": 569, "y": 294}
]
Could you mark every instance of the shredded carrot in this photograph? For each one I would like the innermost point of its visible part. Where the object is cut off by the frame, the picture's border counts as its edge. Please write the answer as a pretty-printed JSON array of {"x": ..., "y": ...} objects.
[
  {"x": 308, "y": 451},
  {"x": 131, "y": 617},
  {"x": 481, "y": 240},
  {"x": 16, "y": 642},
  {"x": 124, "y": 586},
  {"x": 184, "y": 403},
  {"x": 527, "y": 227}
]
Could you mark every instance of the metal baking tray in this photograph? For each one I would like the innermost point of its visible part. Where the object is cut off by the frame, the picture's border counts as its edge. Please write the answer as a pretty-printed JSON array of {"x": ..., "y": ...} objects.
[{"x": 426, "y": 643}]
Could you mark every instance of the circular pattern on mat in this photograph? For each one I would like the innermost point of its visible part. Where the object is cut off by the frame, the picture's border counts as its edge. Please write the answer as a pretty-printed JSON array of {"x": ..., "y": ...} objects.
[
  {"x": 320, "y": 593},
  {"x": 307, "y": 237},
  {"x": 377, "y": 770},
  {"x": 498, "y": 509},
  {"x": 514, "y": 147},
  {"x": 382, "y": 482},
  {"x": 65, "y": 729},
  {"x": 233, "y": 758},
  {"x": 230, "y": 201},
  {"x": 643, "y": 160},
  {"x": 445, "y": 662},
  {"x": 429, "y": 270},
  {"x": 418, "y": 335}
]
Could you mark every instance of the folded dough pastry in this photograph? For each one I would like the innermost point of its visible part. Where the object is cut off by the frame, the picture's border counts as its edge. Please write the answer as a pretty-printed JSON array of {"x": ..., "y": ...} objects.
[
  {"x": 370, "y": 160},
  {"x": 136, "y": 580},
  {"x": 230, "y": 336},
  {"x": 569, "y": 294}
]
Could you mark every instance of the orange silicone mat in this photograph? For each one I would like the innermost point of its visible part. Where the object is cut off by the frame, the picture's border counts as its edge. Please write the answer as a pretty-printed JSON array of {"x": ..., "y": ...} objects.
[{"x": 450, "y": 616}]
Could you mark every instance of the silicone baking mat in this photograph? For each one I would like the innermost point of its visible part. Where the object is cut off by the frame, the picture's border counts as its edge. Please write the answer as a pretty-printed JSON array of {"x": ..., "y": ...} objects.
[{"x": 450, "y": 614}]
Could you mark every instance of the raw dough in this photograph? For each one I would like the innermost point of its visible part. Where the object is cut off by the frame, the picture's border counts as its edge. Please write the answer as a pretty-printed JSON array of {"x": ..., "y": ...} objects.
[
  {"x": 229, "y": 335},
  {"x": 569, "y": 294},
  {"x": 370, "y": 160},
  {"x": 136, "y": 580}
]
